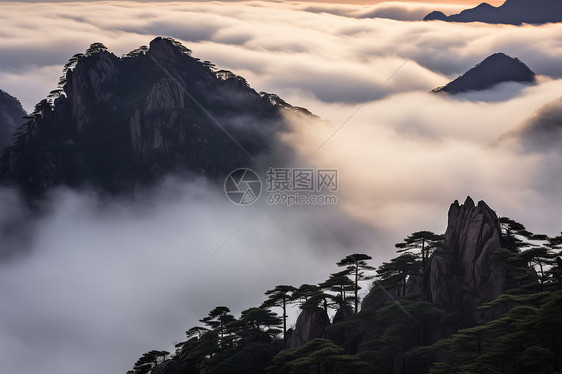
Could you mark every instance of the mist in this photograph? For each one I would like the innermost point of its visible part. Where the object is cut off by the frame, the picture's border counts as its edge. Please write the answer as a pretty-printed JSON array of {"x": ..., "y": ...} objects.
[
  {"x": 104, "y": 280},
  {"x": 405, "y": 160},
  {"x": 89, "y": 283}
]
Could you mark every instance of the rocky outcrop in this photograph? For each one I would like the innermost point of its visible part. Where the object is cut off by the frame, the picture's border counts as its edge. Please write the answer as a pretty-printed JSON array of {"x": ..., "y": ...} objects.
[
  {"x": 311, "y": 324},
  {"x": 11, "y": 117},
  {"x": 125, "y": 122},
  {"x": 463, "y": 275},
  {"x": 473, "y": 234},
  {"x": 439, "y": 282},
  {"x": 495, "y": 69},
  {"x": 345, "y": 330},
  {"x": 514, "y": 12},
  {"x": 90, "y": 82},
  {"x": 343, "y": 313},
  {"x": 459, "y": 276}
]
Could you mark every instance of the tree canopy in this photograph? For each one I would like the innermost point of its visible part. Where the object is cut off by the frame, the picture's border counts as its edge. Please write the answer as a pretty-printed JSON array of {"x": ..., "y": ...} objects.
[
  {"x": 356, "y": 265},
  {"x": 396, "y": 330}
]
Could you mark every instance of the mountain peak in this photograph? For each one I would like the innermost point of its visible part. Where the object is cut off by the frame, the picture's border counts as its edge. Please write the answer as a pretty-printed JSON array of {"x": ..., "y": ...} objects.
[
  {"x": 484, "y": 6},
  {"x": 500, "y": 57},
  {"x": 436, "y": 15},
  {"x": 494, "y": 69},
  {"x": 466, "y": 274},
  {"x": 165, "y": 48},
  {"x": 124, "y": 122},
  {"x": 473, "y": 233},
  {"x": 514, "y": 12}
]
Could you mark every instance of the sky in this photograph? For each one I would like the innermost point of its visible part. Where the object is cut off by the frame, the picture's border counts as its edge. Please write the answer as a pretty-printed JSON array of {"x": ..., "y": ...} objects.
[
  {"x": 96, "y": 282},
  {"x": 355, "y": 2}
]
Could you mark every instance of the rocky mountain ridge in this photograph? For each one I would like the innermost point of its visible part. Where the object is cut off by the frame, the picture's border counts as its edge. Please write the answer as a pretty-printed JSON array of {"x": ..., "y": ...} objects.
[
  {"x": 514, "y": 12},
  {"x": 121, "y": 123}
]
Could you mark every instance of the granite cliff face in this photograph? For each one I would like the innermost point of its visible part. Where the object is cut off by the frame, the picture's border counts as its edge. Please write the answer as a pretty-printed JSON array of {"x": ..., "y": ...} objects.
[
  {"x": 11, "y": 117},
  {"x": 464, "y": 275},
  {"x": 495, "y": 69},
  {"x": 469, "y": 276},
  {"x": 311, "y": 324},
  {"x": 514, "y": 12},
  {"x": 458, "y": 279},
  {"x": 121, "y": 123}
]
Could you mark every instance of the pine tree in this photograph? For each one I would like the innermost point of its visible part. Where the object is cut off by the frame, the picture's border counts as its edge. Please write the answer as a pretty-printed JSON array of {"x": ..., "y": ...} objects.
[
  {"x": 302, "y": 294},
  {"x": 356, "y": 265},
  {"x": 217, "y": 320},
  {"x": 424, "y": 241},
  {"x": 280, "y": 296},
  {"x": 95, "y": 48},
  {"x": 340, "y": 284},
  {"x": 394, "y": 274}
]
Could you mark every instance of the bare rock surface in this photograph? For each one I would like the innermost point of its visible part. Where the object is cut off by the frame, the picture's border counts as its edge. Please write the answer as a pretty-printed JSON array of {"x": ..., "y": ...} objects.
[{"x": 310, "y": 325}]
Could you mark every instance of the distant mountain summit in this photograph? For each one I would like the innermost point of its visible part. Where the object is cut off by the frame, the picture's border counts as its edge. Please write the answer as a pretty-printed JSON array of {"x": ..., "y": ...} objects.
[
  {"x": 541, "y": 132},
  {"x": 119, "y": 123},
  {"x": 497, "y": 68},
  {"x": 11, "y": 117},
  {"x": 514, "y": 12}
]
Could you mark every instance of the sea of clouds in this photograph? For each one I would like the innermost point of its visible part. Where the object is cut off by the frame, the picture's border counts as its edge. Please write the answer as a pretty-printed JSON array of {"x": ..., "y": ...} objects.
[{"x": 88, "y": 284}]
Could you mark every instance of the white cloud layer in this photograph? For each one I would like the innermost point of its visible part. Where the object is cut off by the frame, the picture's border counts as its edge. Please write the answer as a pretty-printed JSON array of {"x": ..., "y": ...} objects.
[
  {"x": 103, "y": 281},
  {"x": 83, "y": 298},
  {"x": 324, "y": 51}
]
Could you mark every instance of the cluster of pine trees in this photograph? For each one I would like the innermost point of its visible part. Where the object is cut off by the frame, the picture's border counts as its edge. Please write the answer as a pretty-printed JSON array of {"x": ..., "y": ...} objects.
[
  {"x": 526, "y": 334},
  {"x": 394, "y": 331}
]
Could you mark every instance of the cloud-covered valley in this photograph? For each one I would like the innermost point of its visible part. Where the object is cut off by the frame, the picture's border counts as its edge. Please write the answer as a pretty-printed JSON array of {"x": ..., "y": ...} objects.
[{"x": 100, "y": 281}]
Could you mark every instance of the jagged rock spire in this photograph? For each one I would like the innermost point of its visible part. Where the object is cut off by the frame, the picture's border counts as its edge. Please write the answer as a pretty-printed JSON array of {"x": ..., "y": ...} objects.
[{"x": 473, "y": 234}]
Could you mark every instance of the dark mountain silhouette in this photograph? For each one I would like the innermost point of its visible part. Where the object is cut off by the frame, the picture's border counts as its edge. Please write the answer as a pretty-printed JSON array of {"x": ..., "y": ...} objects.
[
  {"x": 497, "y": 68},
  {"x": 120, "y": 123},
  {"x": 542, "y": 132},
  {"x": 11, "y": 117},
  {"x": 514, "y": 12}
]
